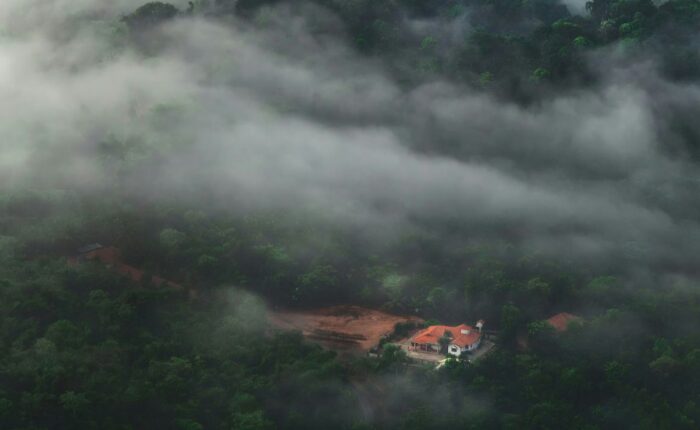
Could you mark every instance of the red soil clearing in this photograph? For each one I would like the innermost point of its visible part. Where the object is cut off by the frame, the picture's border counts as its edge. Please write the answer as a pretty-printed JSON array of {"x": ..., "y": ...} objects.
[
  {"x": 111, "y": 257},
  {"x": 341, "y": 327}
]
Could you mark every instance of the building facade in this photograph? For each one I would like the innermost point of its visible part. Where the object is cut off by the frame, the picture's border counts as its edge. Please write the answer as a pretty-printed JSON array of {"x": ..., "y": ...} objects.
[{"x": 456, "y": 339}]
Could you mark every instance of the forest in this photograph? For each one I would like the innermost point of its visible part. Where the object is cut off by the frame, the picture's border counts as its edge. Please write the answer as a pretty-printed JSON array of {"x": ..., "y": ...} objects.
[{"x": 446, "y": 159}]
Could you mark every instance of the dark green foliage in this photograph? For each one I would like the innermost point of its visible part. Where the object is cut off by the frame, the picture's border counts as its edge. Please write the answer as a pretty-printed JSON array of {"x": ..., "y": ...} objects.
[
  {"x": 517, "y": 49},
  {"x": 83, "y": 348},
  {"x": 150, "y": 15},
  {"x": 523, "y": 47}
]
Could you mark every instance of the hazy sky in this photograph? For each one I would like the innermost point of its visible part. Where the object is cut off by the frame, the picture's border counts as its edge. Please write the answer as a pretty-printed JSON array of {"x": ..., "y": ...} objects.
[{"x": 286, "y": 116}]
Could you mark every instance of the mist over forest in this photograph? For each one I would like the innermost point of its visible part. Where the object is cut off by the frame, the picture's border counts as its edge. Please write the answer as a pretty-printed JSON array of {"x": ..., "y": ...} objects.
[{"x": 443, "y": 161}]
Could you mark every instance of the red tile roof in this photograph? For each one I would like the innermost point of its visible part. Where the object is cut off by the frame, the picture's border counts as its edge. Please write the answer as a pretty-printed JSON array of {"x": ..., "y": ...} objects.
[
  {"x": 561, "y": 321},
  {"x": 432, "y": 335}
]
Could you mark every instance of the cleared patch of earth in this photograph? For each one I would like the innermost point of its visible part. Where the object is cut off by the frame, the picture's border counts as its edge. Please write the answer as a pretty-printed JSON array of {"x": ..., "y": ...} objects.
[{"x": 341, "y": 328}]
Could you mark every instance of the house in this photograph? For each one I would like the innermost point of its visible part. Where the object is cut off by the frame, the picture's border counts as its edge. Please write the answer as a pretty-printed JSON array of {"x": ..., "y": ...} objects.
[
  {"x": 561, "y": 321},
  {"x": 459, "y": 339}
]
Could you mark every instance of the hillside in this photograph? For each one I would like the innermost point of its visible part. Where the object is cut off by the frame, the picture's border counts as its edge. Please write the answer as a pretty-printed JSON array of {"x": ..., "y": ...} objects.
[{"x": 349, "y": 214}]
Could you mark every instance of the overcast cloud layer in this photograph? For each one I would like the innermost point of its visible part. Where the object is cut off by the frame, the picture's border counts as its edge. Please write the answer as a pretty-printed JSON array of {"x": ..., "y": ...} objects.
[{"x": 286, "y": 116}]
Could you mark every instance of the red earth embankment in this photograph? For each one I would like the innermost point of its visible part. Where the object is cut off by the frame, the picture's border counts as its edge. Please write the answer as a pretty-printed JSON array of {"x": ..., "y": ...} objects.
[
  {"x": 111, "y": 257},
  {"x": 341, "y": 328}
]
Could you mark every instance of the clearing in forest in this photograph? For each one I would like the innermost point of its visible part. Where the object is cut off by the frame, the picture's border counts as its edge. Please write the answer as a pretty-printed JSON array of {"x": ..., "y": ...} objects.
[{"x": 343, "y": 328}]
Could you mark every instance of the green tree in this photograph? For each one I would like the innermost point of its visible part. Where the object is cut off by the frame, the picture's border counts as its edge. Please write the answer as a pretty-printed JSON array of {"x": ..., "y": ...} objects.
[
  {"x": 74, "y": 403},
  {"x": 445, "y": 340},
  {"x": 150, "y": 15}
]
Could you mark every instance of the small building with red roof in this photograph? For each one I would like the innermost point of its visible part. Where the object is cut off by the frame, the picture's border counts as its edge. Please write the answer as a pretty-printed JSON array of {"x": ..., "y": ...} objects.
[
  {"x": 459, "y": 339},
  {"x": 561, "y": 321}
]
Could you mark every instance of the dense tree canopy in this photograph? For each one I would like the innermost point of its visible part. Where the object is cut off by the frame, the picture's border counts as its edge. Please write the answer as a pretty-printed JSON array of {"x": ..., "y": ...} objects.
[{"x": 82, "y": 347}]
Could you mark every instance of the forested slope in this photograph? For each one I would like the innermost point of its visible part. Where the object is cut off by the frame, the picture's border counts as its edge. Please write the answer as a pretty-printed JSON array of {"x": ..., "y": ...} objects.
[{"x": 452, "y": 160}]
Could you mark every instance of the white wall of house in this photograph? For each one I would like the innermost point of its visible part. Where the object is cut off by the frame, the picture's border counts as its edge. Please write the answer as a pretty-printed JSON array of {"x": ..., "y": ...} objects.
[
  {"x": 454, "y": 350},
  {"x": 457, "y": 351},
  {"x": 474, "y": 345}
]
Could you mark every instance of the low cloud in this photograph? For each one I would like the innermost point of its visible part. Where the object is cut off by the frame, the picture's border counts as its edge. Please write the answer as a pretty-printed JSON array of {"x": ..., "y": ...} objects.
[{"x": 284, "y": 115}]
